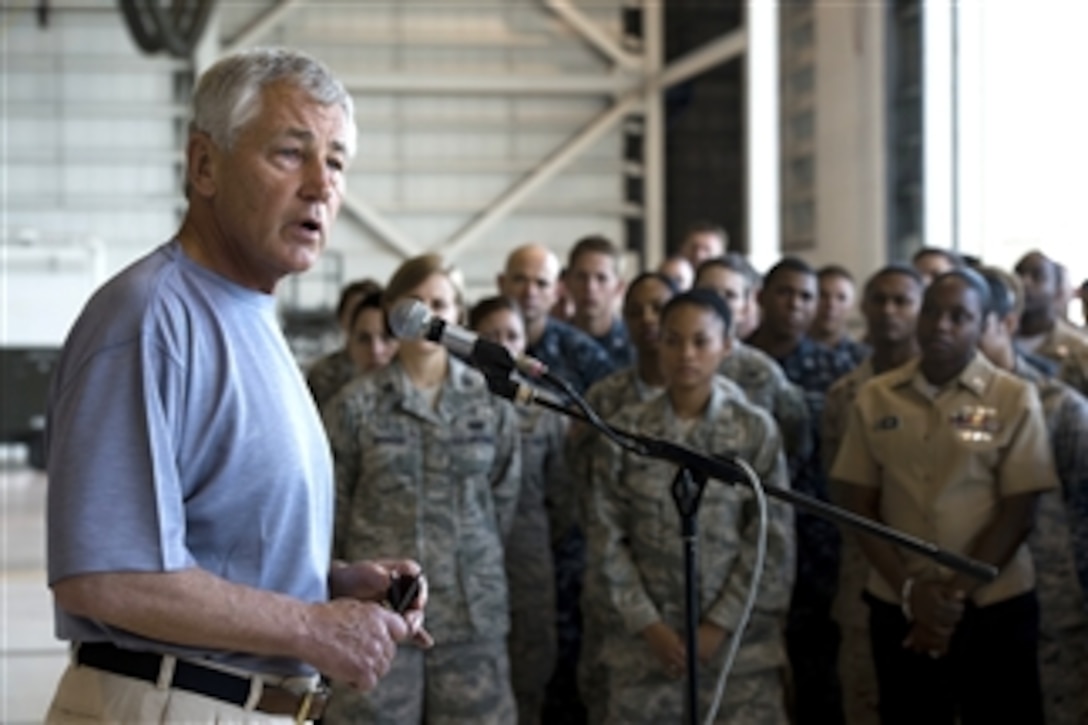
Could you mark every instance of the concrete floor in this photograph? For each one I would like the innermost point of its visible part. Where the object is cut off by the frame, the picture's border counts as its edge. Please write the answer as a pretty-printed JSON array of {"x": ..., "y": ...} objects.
[{"x": 31, "y": 659}]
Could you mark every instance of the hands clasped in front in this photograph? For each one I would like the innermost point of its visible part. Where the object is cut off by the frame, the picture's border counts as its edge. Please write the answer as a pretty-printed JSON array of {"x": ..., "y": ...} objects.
[
  {"x": 671, "y": 652},
  {"x": 937, "y": 608},
  {"x": 354, "y": 636}
]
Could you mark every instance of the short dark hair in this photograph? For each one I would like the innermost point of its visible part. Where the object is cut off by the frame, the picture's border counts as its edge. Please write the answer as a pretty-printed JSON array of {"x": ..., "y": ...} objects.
[
  {"x": 972, "y": 279},
  {"x": 735, "y": 262},
  {"x": 642, "y": 277},
  {"x": 835, "y": 270},
  {"x": 372, "y": 301},
  {"x": 789, "y": 264},
  {"x": 595, "y": 243},
  {"x": 705, "y": 299},
  {"x": 903, "y": 270},
  {"x": 705, "y": 226},
  {"x": 489, "y": 306},
  {"x": 361, "y": 287},
  {"x": 953, "y": 257}
]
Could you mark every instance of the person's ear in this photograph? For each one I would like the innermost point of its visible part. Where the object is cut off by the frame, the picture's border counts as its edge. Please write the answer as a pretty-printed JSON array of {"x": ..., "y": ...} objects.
[
  {"x": 202, "y": 158},
  {"x": 1011, "y": 324}
]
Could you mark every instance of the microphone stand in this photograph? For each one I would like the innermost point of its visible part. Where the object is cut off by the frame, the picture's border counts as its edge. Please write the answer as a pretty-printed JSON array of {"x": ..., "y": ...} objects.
[{"x": 693, "y": 472}]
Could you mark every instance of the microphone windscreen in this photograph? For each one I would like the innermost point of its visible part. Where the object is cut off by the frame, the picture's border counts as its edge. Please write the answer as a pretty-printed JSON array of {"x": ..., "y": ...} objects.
[{"x": 408, "y": 319}]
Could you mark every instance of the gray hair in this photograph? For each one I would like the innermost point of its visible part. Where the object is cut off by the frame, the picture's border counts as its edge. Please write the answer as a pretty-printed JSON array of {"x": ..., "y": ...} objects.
[{"x": 228, "y": 94}]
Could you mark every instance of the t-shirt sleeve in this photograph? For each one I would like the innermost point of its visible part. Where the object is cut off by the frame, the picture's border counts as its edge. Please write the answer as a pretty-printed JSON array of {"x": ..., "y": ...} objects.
[{"x": 115, "y": 499}]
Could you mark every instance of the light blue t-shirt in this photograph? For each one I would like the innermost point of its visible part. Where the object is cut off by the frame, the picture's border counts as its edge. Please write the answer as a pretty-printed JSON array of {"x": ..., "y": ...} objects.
[{"x": 180, "y": 433}]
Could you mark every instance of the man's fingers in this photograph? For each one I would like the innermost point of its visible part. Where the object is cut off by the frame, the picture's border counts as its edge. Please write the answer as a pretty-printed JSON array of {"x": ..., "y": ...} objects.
[{"x": 423, "y": 639}]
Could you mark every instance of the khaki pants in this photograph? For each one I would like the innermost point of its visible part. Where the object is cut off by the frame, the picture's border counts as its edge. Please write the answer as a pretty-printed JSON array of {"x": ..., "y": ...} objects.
[{"x": 87, "y": 695}]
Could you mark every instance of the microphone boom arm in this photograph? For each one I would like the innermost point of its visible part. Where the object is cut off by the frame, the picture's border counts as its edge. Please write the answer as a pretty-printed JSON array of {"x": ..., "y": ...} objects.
[{"x": 727, "y": 471}]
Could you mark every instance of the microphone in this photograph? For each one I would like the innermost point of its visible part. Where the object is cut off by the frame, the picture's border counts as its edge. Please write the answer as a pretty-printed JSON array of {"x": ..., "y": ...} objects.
[{"x": 410, "y": 319}]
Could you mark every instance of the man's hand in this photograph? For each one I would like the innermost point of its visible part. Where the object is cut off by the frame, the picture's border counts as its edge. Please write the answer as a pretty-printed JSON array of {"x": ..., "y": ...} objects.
[
  {"x": 369, "y": 581},
  {"x": 352, "y": 641},
  {"x": 667, "y": 647}
]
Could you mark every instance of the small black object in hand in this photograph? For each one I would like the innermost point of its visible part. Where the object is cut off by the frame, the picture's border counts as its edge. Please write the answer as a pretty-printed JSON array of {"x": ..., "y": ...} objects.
[{"x": 402, "y": 592}]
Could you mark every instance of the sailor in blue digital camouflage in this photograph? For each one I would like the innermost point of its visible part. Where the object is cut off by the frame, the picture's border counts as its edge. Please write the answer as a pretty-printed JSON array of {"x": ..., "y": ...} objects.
[
  {"x": 836, "y": 302},
  {"x": 594, "y": 279},
  {"x": 1063, "y": 617},
  {"x": 428, "y": 465},
  {"x": 636, "y": 552},
  {"x": 788, "y": 301},
  {"x": 646, "y": 297},
  {"x": 758, "y": 375},
  {"x": 545, "y": 486}
]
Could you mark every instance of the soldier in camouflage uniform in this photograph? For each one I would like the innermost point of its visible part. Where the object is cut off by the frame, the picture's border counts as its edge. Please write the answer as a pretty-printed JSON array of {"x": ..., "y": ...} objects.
[
  {"x": 763, "y": 381},
  {"x": 636, "y": 554},
  {"x": 333, "y": 371},
  {"x": 890, "y": 303},
  {"x": 428, "y": 465},
  {"x": 646, "y": 297},
  {"x": 1063, "y": 619},
  {"x": 545, "y": 484}
]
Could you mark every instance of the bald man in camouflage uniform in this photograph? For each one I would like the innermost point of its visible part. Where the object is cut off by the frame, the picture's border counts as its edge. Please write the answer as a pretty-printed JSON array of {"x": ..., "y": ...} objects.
[
  {"x": 438, "y": 483},
  {"x": 635, "y": 556}
]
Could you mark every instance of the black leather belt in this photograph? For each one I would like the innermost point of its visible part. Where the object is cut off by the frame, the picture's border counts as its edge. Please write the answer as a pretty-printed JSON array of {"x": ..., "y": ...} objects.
[{"x": 202, "y": 680}]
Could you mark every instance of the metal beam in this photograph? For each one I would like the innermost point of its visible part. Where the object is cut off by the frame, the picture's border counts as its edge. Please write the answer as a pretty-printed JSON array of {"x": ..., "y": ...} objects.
[
  {"x": 259, "y": 26},
  {"x": 501, "y": 207},
  {"x": 698, "y": 61},
  {"x": 448, "y": 83},
  {"x": 713, "y": 53},
  {"x": 593, "y": 34},
  {"x": 385, "y": 232},
  {"x": 653, "y": 138}
]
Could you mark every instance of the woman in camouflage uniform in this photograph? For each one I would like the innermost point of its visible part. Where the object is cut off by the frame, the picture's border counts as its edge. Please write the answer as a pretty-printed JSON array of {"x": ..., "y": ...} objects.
[
  {"x": 329, "y": 373},
  {"x": 635, "y": 550},
  {"x": 428, "y": 461},
  {"x": 546, "y": 495}
]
